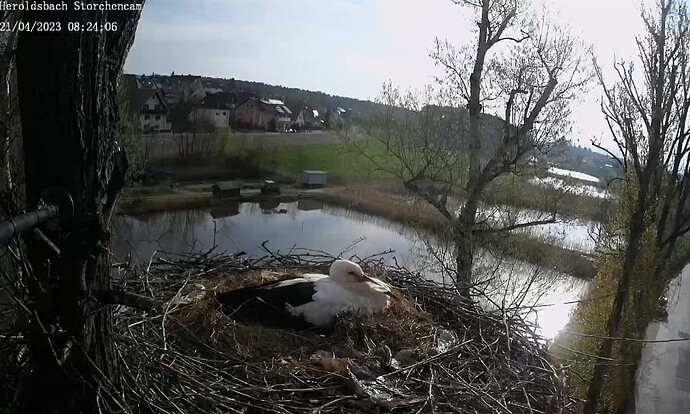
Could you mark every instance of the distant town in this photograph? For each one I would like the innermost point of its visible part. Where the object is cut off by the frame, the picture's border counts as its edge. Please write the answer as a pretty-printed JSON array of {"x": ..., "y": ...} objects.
[{"x": 180, "y": 103}]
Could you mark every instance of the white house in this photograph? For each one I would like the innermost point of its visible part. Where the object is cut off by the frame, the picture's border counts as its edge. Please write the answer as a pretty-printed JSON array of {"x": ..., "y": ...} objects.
[
  {"x": 216, "y": 108},
  {"x": 297, "y": 117},
  {"x": 284, "y": 114},
  {"x": 148, "y": 104},
  {"x": 154, "y": 112}
]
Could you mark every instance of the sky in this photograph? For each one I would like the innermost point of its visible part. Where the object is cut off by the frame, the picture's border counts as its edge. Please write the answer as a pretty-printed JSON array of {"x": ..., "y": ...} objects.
[{"x": 350, "y": 47}]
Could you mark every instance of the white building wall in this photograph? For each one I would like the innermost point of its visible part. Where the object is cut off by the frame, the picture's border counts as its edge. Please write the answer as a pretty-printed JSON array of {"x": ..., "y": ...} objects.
[
  {"x": 152, "y": 102},
  {"x": 219, "y": 117},
  {"x": 154, "y": 122}
]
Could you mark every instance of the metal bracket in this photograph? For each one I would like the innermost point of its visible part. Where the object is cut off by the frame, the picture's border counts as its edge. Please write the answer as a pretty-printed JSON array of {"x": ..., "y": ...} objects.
[
  {"x": 56, "y": 209},
  {"x": 61, "y": 198}
]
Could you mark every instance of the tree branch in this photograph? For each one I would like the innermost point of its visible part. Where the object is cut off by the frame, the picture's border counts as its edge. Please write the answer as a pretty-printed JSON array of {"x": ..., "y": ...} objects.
[
  {"x": 611, "y": 154},
  {"x": 131, "y": 300},
  {"x": 516, "y": 226},
  {"x": 441, "y": 207}
]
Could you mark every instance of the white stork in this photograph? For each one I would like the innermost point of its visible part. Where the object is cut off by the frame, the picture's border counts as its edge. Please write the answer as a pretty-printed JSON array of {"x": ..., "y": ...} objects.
[{"x": 310, "y": 300}]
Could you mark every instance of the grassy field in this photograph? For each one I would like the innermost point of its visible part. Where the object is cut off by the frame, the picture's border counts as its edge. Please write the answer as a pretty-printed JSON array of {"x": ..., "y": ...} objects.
[
  {"x": 345, "y": 164},
  {"x": 133, "y": 201},
  {"x": 343, "y": 161}
]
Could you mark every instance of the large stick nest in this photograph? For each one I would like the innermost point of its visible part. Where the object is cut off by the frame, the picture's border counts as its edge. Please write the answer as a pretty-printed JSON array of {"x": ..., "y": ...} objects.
[{"x": 433, "y": 353}]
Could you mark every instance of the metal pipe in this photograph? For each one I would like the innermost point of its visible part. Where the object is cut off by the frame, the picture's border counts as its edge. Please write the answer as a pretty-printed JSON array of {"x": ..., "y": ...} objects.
[{"x": 27, "y": 221}]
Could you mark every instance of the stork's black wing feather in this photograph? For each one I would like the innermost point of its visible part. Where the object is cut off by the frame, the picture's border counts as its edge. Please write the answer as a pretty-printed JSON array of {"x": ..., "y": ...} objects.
[{"x": 266, "y": 304}]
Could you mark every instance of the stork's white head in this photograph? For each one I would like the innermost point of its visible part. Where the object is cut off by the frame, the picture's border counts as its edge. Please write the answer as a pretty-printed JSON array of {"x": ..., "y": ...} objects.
[{"x": 345, "y": 271}]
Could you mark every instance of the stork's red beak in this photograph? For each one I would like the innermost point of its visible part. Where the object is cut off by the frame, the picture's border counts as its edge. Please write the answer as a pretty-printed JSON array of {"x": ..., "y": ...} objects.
[
  {"x": 378, "y": 282},
  {"x": 366, "y": 278}
]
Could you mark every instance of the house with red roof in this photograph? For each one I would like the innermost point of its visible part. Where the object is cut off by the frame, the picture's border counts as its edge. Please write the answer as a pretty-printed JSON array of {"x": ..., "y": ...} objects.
[{"x": 264, "y": 113}]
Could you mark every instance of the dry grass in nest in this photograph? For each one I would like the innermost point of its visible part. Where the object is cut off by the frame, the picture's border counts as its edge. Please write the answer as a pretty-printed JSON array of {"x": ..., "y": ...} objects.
[
  {"x": 432, "y": 353},
  {"x": 400, "y": 327}
]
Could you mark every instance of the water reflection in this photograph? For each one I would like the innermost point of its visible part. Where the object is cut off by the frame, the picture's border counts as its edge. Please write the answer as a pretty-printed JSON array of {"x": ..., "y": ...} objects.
[
  {"x": 308, "y": 204},
  {"x": 507, "y": 283},
  {"x": 570, "y": 233},
  {"x": 579, "y": 189},
  {"x": 333, "y": 230},
  {"x": 268, "y": 205},
  {"x": 227, "y": 209}
]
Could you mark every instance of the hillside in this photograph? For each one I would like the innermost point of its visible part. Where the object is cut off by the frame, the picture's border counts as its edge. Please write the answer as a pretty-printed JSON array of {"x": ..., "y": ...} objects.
[
  {"x": 295, "y": 96},
  {"x": 586, "y": 160}
]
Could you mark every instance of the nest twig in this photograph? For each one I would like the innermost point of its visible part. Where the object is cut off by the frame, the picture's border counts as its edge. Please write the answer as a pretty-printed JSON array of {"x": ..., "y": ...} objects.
[{"x": 437, "y": 353}]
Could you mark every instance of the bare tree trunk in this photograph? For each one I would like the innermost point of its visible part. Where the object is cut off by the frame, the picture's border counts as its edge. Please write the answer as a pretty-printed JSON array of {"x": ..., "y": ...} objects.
[
  {"x": 649, "y": 182},
  {"x": 636, "y": 226},
  {"x": 5, "y": 132},
  {"x": 7, "y": 51},
  {"x": 67, "y": 92},
  {"x": 464, "y": 244}
]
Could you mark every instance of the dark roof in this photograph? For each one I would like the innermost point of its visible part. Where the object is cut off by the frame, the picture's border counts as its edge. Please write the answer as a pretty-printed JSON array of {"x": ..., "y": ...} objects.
[
  {"x": 296, "y": 110},
  {"x": 245, "y": 100},
  {"x": 242, "y": 96},
  {"x": 145, "y": 83},
  {"x": 220, "y": 100},
  {"x": 137, "y": 96},
  {"x": 148, "y": 93}
]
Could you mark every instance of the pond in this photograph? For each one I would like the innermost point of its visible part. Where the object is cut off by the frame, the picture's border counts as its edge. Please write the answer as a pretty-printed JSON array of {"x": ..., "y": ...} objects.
[{"x": 311, "y": 225}]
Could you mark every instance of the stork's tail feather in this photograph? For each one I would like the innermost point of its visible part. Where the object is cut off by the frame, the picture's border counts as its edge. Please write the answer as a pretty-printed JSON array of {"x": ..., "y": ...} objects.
[
  {"x": 236, "y": 298},
  {"x": 250, "y": 306}
]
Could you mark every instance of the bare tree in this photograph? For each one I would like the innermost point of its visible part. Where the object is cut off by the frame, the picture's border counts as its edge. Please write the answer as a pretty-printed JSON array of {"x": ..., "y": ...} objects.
[
  {"x": 198, "y": 140},
  {"x": 131, "y": 137},
  {"x": 448, "y": 138},
  {"x": 8, "y": 44},
  {"x": 67, "y": 96},
  {"x": 648, "y": 116}
]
